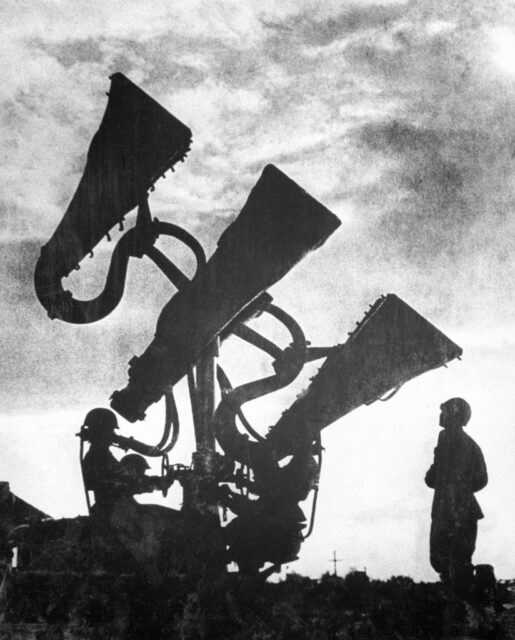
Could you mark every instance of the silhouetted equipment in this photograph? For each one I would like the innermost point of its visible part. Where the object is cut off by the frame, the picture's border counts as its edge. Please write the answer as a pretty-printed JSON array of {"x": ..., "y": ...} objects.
[
  {"x": 391, "y": 345},
  {"x": 137, "y": 142},
  {"x": 278, "y": 225}
]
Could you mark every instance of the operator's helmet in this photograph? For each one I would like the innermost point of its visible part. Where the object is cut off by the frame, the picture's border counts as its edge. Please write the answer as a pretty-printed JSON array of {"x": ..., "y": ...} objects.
[
  {"x": 459, "y": 409},
  {"x": 100, "y": 422},
  {"x": 136, "y": 463}
]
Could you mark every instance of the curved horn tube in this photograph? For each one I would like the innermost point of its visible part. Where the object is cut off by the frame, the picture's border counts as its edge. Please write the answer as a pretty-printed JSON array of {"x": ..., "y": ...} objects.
[
  {"x": 235, "y": 444},
  {"x": 61, "y": 304}
]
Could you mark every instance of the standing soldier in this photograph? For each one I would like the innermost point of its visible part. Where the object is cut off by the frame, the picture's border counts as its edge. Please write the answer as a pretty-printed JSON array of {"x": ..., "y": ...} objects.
[{"x": 458, "y": 471}]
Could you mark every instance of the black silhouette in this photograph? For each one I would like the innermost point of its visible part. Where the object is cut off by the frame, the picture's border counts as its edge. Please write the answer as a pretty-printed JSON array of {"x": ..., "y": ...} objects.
[{"x": 458, "y": 471}]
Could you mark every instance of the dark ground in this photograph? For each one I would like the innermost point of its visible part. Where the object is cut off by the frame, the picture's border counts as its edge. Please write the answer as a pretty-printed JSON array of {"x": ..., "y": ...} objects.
[{"x": 353, "y": 607}]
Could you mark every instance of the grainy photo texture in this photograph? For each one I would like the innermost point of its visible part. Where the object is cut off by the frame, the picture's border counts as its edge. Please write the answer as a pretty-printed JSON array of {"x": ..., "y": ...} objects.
[{"x": 257, "y": 354}]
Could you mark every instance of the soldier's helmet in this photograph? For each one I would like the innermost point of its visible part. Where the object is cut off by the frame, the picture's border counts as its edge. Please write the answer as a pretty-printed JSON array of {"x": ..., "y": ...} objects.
[
  {"x": 100, "y": 423},
  {"x": 459, "y": 409},
  {"x": 136, "y": 463}
]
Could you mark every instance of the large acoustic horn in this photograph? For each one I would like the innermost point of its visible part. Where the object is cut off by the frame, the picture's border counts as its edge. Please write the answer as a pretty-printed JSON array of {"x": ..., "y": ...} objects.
[
  {"x": 391, "y": 345},
  {"x": 278, "y": 225},
  {"x": 138, "y": 140}
]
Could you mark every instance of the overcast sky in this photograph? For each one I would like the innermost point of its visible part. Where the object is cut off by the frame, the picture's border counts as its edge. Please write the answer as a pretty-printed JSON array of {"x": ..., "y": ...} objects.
[{"x": 399, "y": 117}]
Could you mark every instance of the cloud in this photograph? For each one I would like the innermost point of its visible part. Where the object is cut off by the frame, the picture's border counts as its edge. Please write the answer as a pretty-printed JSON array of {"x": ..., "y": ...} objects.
[
  {"x": 314, "y": 31},
  {"x": 396, "y": 112},
  {"x": 251, "y": 90},
  {"x": 439, "y": 197},
  {"x": 431, "y": 208},
  {"x": 397, "y": 116}
]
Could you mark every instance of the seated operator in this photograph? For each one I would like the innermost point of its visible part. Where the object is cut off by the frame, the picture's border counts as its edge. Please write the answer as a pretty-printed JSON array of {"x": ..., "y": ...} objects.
[
  {"x": 103, "y": 474},
  {"x": 119, "y": 522}
]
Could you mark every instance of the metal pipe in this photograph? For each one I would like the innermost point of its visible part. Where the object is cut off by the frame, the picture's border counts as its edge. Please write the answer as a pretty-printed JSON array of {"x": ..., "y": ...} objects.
[
  {"x": 61, "y": 304},
  {"x": 235, "y": 444}
]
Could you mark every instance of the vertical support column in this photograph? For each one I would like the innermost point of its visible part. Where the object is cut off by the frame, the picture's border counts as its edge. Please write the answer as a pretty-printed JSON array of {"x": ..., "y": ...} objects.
[
  {"x": 206, "y": 399},
  {"x": 202, "y": 393},
  {"x": 203, "y": 405}
]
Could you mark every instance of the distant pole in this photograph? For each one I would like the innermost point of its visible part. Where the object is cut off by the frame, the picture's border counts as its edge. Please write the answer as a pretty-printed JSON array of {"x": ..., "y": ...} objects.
[{"x": 334, "y": 560}]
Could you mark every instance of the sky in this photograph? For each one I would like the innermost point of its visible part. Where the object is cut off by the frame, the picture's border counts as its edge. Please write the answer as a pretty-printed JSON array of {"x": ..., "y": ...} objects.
[{"x": 397, "y": 116}]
